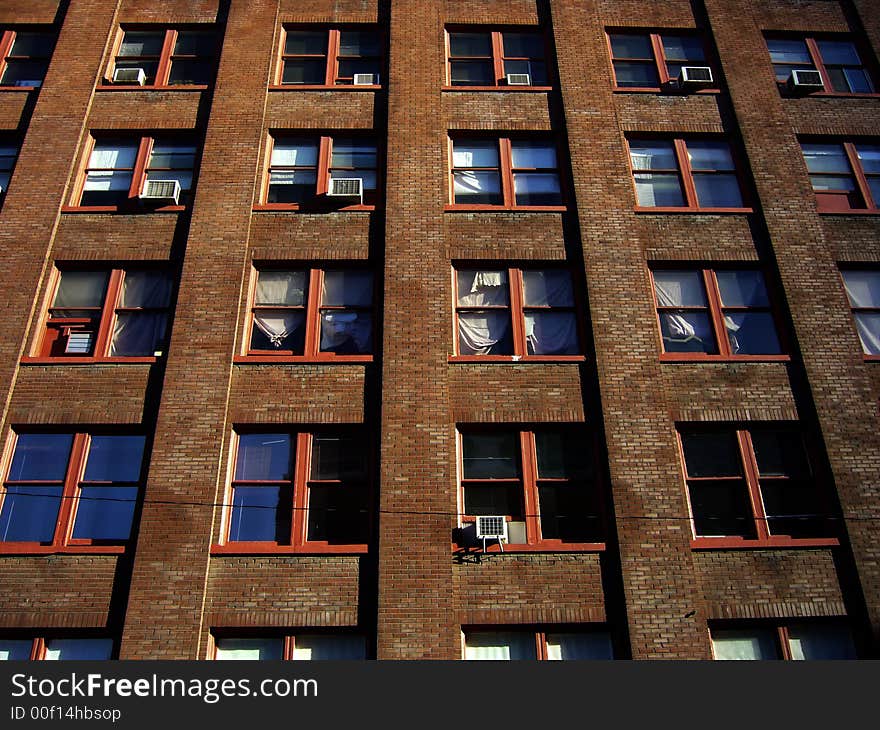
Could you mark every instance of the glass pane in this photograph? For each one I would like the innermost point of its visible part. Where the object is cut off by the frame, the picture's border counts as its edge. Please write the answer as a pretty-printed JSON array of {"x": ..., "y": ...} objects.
[
  {"x": 832, "y": 183},
  {"x": 170, "y": 155},
  {"x": 189, "y": 72},
  {"x": 546, "y": 288},
  {"x": 634, "y": 74},
  {"x": 15, "y": 650},
  {"x": 81, "y": 289},
  {"x": 482, "y": 288},
  {"x": 264, "y": 457},
  {"x": 24, "y": 73},
  {"x": 348, "y": 68},
  {"x": 868, "y": 326},
  {"x": 279, "y": 330},
  {"x": 113, "y": 154},
  {"x": 793, "y": 508},
  {"x": 346, "y": 333},
  {"x": 839, "y": 52},
  {"x": 531, "y": 188},
  {"x": 475, "y": 153},
  {"x": 338, "y": 457},
  {"x": 304, "y": 71},
  {"x": 862, "y": 287},
  {"x": 783, "y": 71},
  {"x": 32, "y": 44},
  {"x": 484, "y": 332},
  {"x": 114, "y": 459},
  {"x": 595, "y": 645},
  {"x": 138, "y": 334},
  {"x": 752, "y": 333},
  {"x": 305, "y": 43},
  {"x": 551, "y": 333},
  {"x": 687, "y": 332},
  {"x": 869, "y": 157},
  {"x": 292, "y": 186},
  {"x": 29, "y": 514},
  {"x": 490, "y": 455},
  {"x": 563, "y": 455},
  {"x": 40, "y": 457},
  {"x": 106, "y": 188},
  {"x": 742, "y": 288},
  {"x": 358, "y": 43},
  {"x": 523, "y": 45},
  {"x": 838, "y": 79},
  {"x": 105, "y": 513},
  {"x": 353, "y": 153},
  {"x": 537, "y": 70},
  {"x": 329, "y": 647},
  {"x": 347, "y": 288},
  {"x": 338, "y": 515},
  {"x": 141, "y": 44},
  {"x": 717, "y": 191},
  {"x": 631, "y": 46},
  {"x": 568, "y": 514},
  {"x": 744, "y": 644},
  {"x": 79, "y": 649},
  {"x": 652, "y": 155},
  {"x": 470, "y": 44},
  {"x": 659, "y": 191},
  {"x": 260, "y": 514},
  {"x": 491, "y": 499},
  {"x": 788, "y": 51},
  {"x": 193, "y": 43},
  {"x": 145, "y": 289},
  {"x": 711, "y": 454},
  {"x": 825, "y": 158},
  {"x": 679, "y": 289},
  {"x": 683, "y": 48},
  {"x": 530, "y": 154},
  {"x": 249, "y": 649},
  {"x": 858, "y": 81},
  {"x": 499, "y": 646},
  {"x": 282, "y": 287},
  {"x": 471, "y": 73},
  {"x": 780, "y": 453},
  {"x": 820, "y": 642},
  {"x": 295, "y": 152},
  {"x": 710, "y": 156},
  {"x": 477, "y": 188},
  {"x": 721, "y": 509}
]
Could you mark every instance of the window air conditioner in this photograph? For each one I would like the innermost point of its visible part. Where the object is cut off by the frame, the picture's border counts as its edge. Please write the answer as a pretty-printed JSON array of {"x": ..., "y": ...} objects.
[
  {"x": 129, "y": 76},
  {"x": 805, "y": 80},
  {"x": 519, "y": 80},
  {"x": 492, "y": 527},
  {"x": 346, "y": 187},
  {"x": 161, "y": 190},
  {"x": 366, "y": 79},
  {"x": 695, "y": 76}
]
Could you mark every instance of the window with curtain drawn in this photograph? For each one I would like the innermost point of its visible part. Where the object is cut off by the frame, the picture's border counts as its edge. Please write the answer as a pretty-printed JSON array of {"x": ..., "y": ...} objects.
[
  {"x": 863, "y": 291},
  {"x": 563, "y": 643},
  {"x": 297, "y": 647},
  {"x": 798, "y": 640}
]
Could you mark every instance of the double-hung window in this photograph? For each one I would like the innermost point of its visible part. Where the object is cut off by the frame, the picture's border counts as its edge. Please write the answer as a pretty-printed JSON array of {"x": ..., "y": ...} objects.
[
  {"x": 486, "y": 58},
  {"x": 164, "y": 57},
  {"x": 837, "y": 60},
  {"x": 24, "y": 57},
  {"x": 552, "y": 643},
  {"x": 301, "y": 646},
  {"x": 845, "y": 175},
  {"x": 714, "y": 314},
  {"x": 8, "y": 156},
  {"x": 57, "y": 648},
  {"x": 798, "y": 640},
  {"x": 515, "y": 313},
  {"x": 299, "y": 491},
  {"x": 543, "y": 481},
  {"x": 752, "y": 483},
  {"x": 70, "y": 490},
  {"x": 108, "y": 313},
  {"x": 687, "y": 174},
  {"x": 345, "y": 56},
  {"x": 644, "y": 61},
  {"x": 504, "y": 172},
  {"x": 863, "y": 291}
]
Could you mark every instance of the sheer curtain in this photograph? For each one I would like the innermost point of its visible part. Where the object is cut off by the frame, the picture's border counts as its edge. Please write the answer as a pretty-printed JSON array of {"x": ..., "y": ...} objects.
[
  {"x": 80, "y": 289},
  {"x": 284, "y": 288},
  {"x": 495, "y": 646},
  {"x": 673, "y": 291},
  {"x": 479, "y": 332},
  {"x": 329, "y": 647},
  {"x": 551, "y": 333},
  {"x": 139, "y": 333},
  {"x": 249, "y": 649},
  {"x": 742, "y": 645},
  {"x": 863, "y": 290}
]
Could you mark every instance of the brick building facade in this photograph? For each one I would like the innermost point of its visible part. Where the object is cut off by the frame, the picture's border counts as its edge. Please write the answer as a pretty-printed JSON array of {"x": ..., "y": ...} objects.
[{"x": 727, "y": 441}]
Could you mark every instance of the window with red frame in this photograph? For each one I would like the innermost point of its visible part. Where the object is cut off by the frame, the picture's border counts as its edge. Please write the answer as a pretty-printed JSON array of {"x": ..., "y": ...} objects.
[
  {"x": 567, "y": 642},
  {"x": 486, "y": 57},
  {"x": 845, "y": 175},
  {"x": 863, "y": 291},
  {"x": 167, "y": 57},
  {"x": 723, "y": 313},
  {"x": 24, "y": 57},
  {"x": 8, "y": 156},
  {"x": 652, "y": 61},
  {"x": 836, "y": 58},
  {"x": 71, "y": 489},
  {"x": 108, "y": 313},
  {"x": 515, "y": 312},
  {"x": 505, "y": 172},
  {"x": 118, "y": 168},
  {"x": 542, "y": 480},
  {"x": 300, "y": 489},
  {"x": 55, "y": 647},
  {"x": 752, "y": 483},
  {"x": 797, "y": 639},
  {"x": 331, "y": 56},
  {"x": 302, "y": 167},
  {"x": 312, "y": 313},
  {"x": 300, "y": 646},
  {"x": 695, "y": 174}
]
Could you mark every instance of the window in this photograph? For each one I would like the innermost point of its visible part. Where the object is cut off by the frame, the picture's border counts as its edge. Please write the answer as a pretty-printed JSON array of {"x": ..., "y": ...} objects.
[
  {"x": 8, "y": 156},
  {"x": 845, "y": 175},
  {"x": 837, "y": 60},
  {"x": 798, "y": 640},
  {"x": 544, "y": 643},
  {"x": 312, "y": 313},
  {"x": 485, "y": 58},
  {"x": 653, "y": 61},
  {"x": 108, "y": 313},
  {"x": 695, "y": 174},
  {"x": 25, "y": 57},
  {"x": 173, "y": 57},
  {"x": 118, "y": 168},
  {"x": 714, "y": 313},
  {"x": 300, "y": 646},
  {"x": 301, "y": 169},
  {"x": 505, "y": 173},
  {"x": 71, "y": 489},
  {"x": 542, "y": 480},
  {"x": 300, "y": 491},
  {"x": 515, "y": 313},
  {"x": 752, "y": 483},
  {"x": 55, "y": 648},
  {"x": 330, "y": 57},
  {"x": 863, "y": 290}
]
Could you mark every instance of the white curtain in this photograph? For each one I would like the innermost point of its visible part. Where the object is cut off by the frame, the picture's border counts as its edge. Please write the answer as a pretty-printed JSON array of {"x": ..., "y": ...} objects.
[
  {"x": 579, "y": 646},
  {"x": 329, "y": 647},
  {"x": 743, "y": 645},
  {"x": 278, "y": 326},
  {"x": 479, "y": 332},
  {"x": 281, "y": 287},
  {"x": 67, "y": 649},
  {"x": 471, "y": 183},
  {"x": 339, "y": 328},
  {"x": 249, "y": 649},
  {"x": 551, "y": 333},
  {"x": 482, "y": 288},
  {"x": 868, "y": 326},
  {"x": 146, "y": 289},
  {"x": 495, "y": 646},
  {"x": 673, "y": 292},
  {"x": 137, "y": 333},
  {"x": 820, "y": 642}
]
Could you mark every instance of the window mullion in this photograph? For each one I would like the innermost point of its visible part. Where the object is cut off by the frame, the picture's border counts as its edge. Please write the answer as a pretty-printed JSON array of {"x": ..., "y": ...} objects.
[
  {"x": 659, "y": 58},
  {"x": 753, "y": 482},
  {"x": 505, "y": 158},
  {"x": 332, "y": 57},
  {"x": 75, "y": 467},
  {"x": 541, "y": 645},
  {"x": 38, "y": 649},
  {"x": 530, "y": 487},
  {"x": 301, "y": 468},
  {"x": 813, "y": 49},
  {"x": 784, "y": 645},
  {"x": 498, "y": 56},
  {"x": 687, "y": 174},
  {"x": 313, "y": 313},
  {"x": 517, "y": 313},
  {"x": 289, "y": 647},
  {"x": 859, "y": 174},
  {"x": 716, "y": 312},
  {"x": 108, "y": 313},
  {"x": 164, "y": 68},
  {"x": 324, "y": 157},
  {"x": 138, "y": 174}
]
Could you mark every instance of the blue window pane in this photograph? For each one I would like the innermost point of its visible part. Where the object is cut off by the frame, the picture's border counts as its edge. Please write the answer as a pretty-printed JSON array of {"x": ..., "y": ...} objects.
[
  {"x": 687, "y": 332},
  {"x": 104, "y": 513},
  {"x": 475, "y": 153},
  {"x": 29, "y": 514},
  {"x": 40, "y": 457},
  {"x": 717, "y": 191},
  {"x": 752, "y": 333},
  {"x": 114, "y": 459},
  {"x": 788, "y": 51},
  {"x": 831, "y": 183},
  {"x": 839, "y": 52},
  {"x": 479, "y": 188},
  {"x": 260, "y": 514},
  {"x": 825, "y": 158},
  {"x": 15, "y": 650},
  {"x": 710, "y": 156},
  {"x": 79, "y": 649},
  {"x": 742, "y": 289},
  {"x": 858, "y": 81},
  {"x": 533, "y": 154},
  {"x": 683, "y": 48},
  {"x": 652, "y": 155},
  {"x": 659, "y": 191},
  {"x": 531, "y": 188},
  {"x": 631, "y": 46},
  {"x": 869, "y": 156},
  {"x": 636, "y": 74},
  {"x": 264, "y": 457}
]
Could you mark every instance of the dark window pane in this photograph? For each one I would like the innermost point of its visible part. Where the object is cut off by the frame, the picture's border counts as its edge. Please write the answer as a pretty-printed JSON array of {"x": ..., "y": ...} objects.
[
  {"x": 358, "y": 43},
  {"x": 631, "y": 46},
  {"x": 106, "y": 188},
  {"x": 722, "y": 509},
  {"x": 472, "y": 73},
  {"x": 523, "y": 45},
  {"x": 142, "y": 44},
  {"x": 537, "y": 70},
  {"x": 839, "y": 53},
  {"x": 15, "y": 650},
  {"x": 347, "y": 288},
  {"x": 635, "y": 74},
  {"x": 793, "y": 508},
  {"x": 537, "y": 188},
  {"x": 29, "y": 513},
  {"x": 105, "y": 513},
  {"x": 346, "y": 333},
  {"x": 687, "y": 332},
  {"x": 32, "y": 44},
  {"x": 712, "y": 454},
  {"x": 81, "y": 289},
  {"x": 79, "y": 649},
  {"x": 260, "y": 514},
  {"x": 568, "y": 514},
  {"x": 780, "y": 453},
  {"x": 490, "y": 455},
  {"x": 470, "y": 44},
  {"x": 484, "y": 499},
  {"x": 348, "y": 68},
  {"x": 24, "y": 73},
  {"x": 551, "y": 333},
  {"x": 820, "y": 642},
  {"x": 138, "y": 334},
  {"x": 292, "y": 186},
  {"x": 338, "y": 457},
  {"x": 563, "y": 455},
  {"x": 189, "y": 72},
  {"x": 838, "y": 80},
  {"x": 484, "y": 332},
  {"x": 305, "y": 43},
  {"x": 304, "y": 71},
  {"x": 264, "y": 457},
  {"x": 194, "y": 44},
  {"x": 338, "y": 515},
  {"x": 683, "y": 48},
  {"x": 353, "y": 153},
  {"x": 546, "y": 288},
  {"x": 752, "y": 333},
  {"x": 788, "y": 51},
  {"x": 40, "y": 457},
  {"x": 114, "y": 459},
  {"x": 742, "y": 289},
  {"x": 279, "y": 330},
  {"x": 717, "y": 191}
]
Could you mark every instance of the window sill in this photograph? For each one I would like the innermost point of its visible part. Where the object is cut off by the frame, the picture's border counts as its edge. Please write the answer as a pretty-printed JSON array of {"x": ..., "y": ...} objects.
[
  {"x": 25, "y": 548},
  {"x": 681, "y": 357},
  {"x": 872, "y": 358},
  {"x": 704, "y": 211},
  {"x": 325, "y": 208},
  {"x": 739, "y": 543},
  {"x": 516, "y": 359},
  {"x": 317, "y": 87},
  {"x": 664, "y": 92},
  {"x": 515, "y": 89},
  {"x": 449, "y": 208},
  {"x": 262, "y": 548},
  {"x": 549, "y": 546},
  {"x": 18, "y": 88},
  {"x": 39, "y": 360},
  {"x": 294, "y": 360},
  {"x": 828, "y": 94},
  {"x": 135, "y": 87},
  {"x": 852, "y": 211},
  {"x": 79, "y": 209}
]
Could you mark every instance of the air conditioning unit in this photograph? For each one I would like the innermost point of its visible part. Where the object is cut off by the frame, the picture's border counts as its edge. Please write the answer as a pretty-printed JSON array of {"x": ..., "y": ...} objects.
[
  {"x": 346, "y": 187},
  {"x": 78, "y": 343},
  {"x": 805, "y": 80},
  {"x": 492, "y": 527},
  {"x": 129, "y": 76},
  {"x": 366, "y": 79},
  {"x": 168, "y": 190},
  {"x": 695, "y": 76},
  {"x": 519, "y": 80}
]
